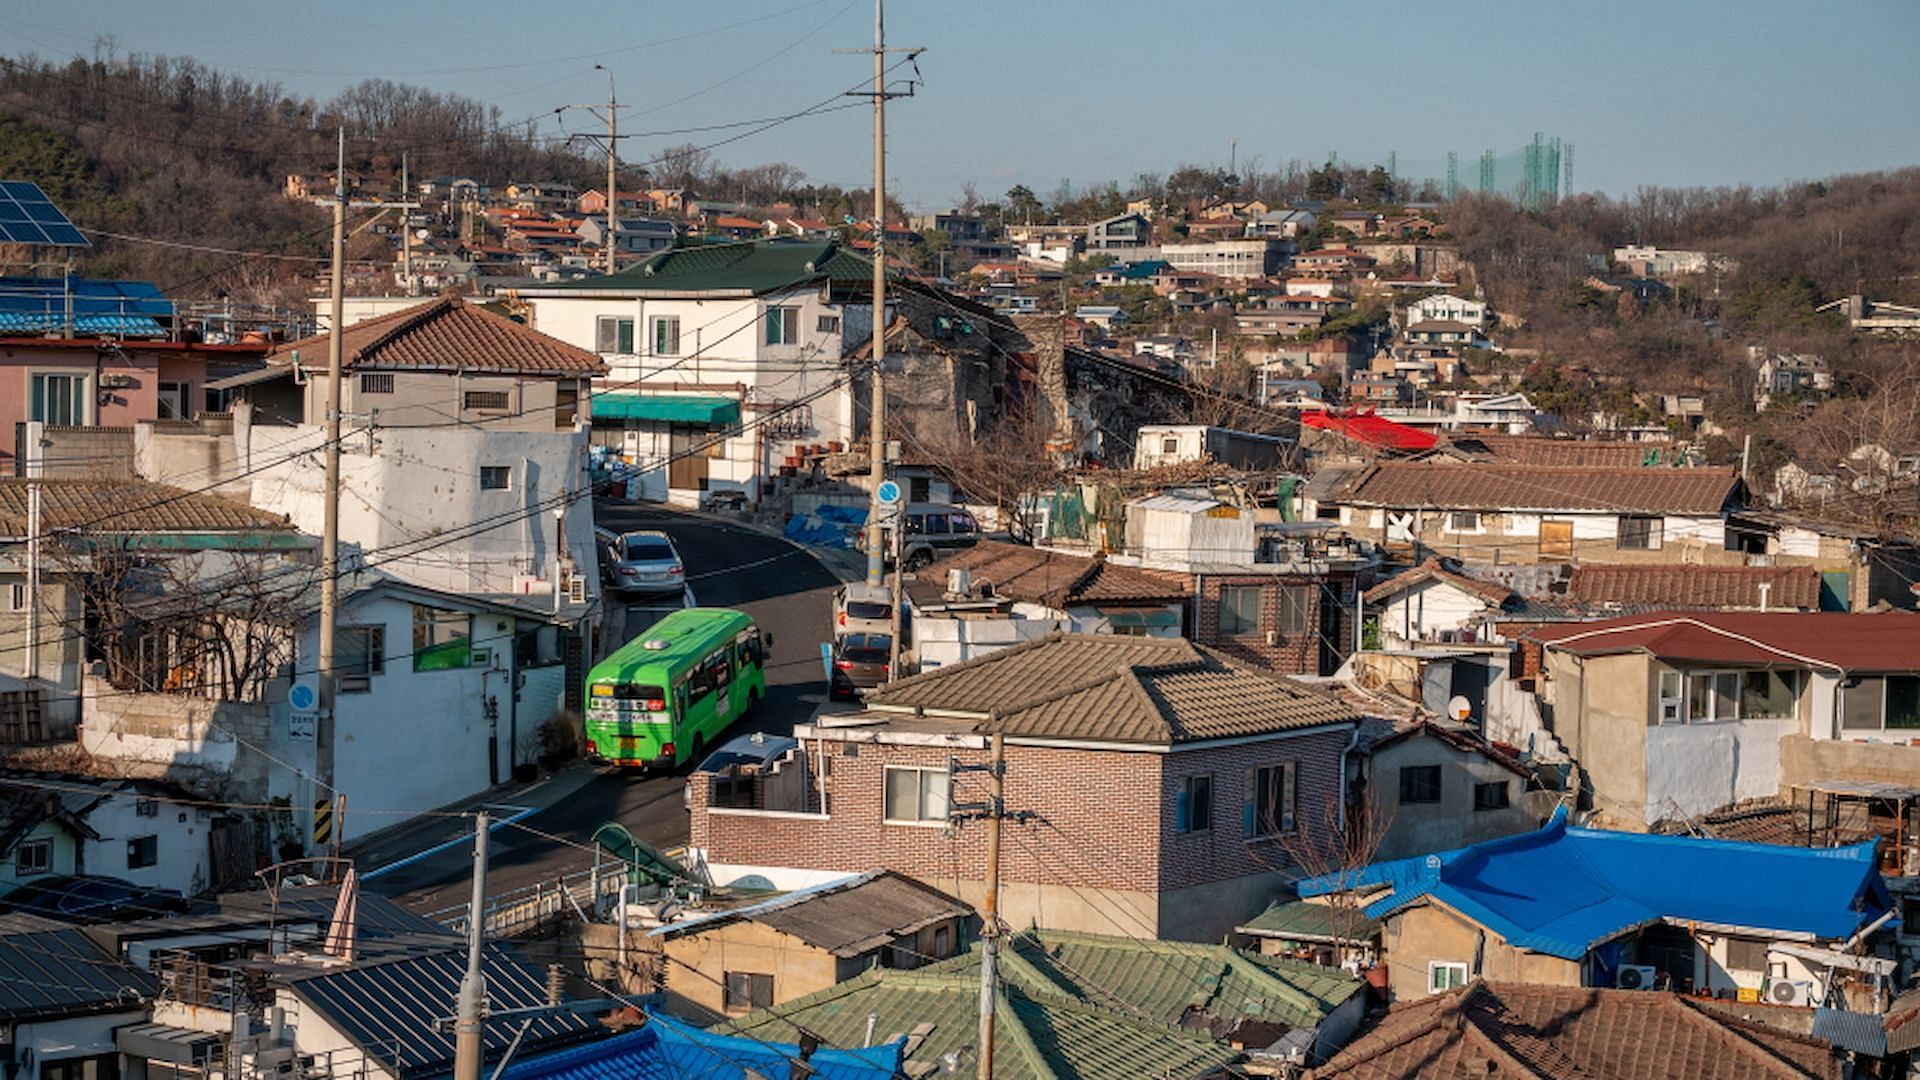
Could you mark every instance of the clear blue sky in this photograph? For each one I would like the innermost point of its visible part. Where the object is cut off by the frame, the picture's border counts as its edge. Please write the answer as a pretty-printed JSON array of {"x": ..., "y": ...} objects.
[{"x": 1040, "y": 91}]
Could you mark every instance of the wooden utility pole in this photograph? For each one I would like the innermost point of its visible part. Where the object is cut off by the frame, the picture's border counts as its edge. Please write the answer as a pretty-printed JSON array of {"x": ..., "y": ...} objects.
[
  {"x": 470, "y": 1022},
  {"x": 330, "y": 522}
]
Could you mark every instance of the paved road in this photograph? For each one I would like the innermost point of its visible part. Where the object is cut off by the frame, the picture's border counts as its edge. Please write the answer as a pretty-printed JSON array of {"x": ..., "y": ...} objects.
[{"x": 788, "y": 593}]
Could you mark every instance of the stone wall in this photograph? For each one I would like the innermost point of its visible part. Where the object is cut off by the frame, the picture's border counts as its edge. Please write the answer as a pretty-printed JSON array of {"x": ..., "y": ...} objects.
[{"x": 214, "y": 748}]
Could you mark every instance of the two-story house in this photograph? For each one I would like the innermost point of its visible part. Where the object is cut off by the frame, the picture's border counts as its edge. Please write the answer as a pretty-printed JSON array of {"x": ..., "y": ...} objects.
[
  {"x": 1445, "y": 307},
  {"x": 1677, "y": 713},
  {"x": 1161, "y": 787},
  {"x": 1120, "y": 231},
  {"x": 699, "y": 341}
]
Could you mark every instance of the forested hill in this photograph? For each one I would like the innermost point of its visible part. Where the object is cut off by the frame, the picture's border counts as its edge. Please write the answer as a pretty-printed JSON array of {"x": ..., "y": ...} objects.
[{"x": 170, "y": 149}]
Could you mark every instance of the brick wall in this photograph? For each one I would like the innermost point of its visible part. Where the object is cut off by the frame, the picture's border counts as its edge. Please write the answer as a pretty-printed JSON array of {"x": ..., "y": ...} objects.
[
  {"x": 1225, "y": 851},
  {"x": 1105, "y": 817},
  {"x": 1299, "y": 653}
]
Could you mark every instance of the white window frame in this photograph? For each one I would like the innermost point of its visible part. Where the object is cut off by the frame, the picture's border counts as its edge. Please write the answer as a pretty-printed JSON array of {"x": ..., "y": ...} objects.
[
  {"x": 670, "y": 325},
  {"x": 177, "y": 396},
  {"x": 1451, "y": 968},
  {"x": 783, "y": 322},
  {"x": 601, "y": 326},
  {"x": 38, "y": 843},
  {"x": 82, "y": 396},
  {"x": 924, "y": 805},
  {"x": 1684, "y": 703},
  {"x": 1656, "y": 532}
]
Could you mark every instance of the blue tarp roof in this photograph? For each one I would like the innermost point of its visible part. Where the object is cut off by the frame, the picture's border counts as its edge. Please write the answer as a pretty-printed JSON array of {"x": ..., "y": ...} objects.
[
  {"x": 1562, "y": 890},
  {"x": 665, "y": 1050},
  {"x": 118, "y": 308}
]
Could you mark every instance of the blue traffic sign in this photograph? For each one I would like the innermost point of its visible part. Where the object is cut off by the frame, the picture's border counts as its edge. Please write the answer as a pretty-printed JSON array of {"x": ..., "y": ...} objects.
[{"x": 888, "y": 493}]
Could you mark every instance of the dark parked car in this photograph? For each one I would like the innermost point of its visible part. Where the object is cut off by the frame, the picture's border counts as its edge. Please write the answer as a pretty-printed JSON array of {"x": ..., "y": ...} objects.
[
  {"x": 86, "y": 898},
  {"x": 859, "y": 663}
]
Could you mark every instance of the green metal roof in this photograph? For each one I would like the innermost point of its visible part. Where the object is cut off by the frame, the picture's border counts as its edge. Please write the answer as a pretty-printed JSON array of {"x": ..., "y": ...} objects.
[
  {"x": 1039, "y": 1036},
  {"x": 668, "y": 409},
  {"x": 750, "y": 267},
  {"x": 1303, "y": 921},
  {"x": 1080, "y": 1004}
]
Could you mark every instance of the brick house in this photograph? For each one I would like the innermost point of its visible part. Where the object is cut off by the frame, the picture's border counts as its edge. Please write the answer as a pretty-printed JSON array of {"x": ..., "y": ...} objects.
[{"x": 1165, "y": 784}]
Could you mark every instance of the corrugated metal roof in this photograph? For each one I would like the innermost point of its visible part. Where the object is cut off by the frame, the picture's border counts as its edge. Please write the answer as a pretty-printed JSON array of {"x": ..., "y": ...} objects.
[
  {"x": 846, "y": 918},
  {"x": 1863, "y": 1033},
  {"x": 1302, "y": 921},
  {"x": 120, "y": 308},
  {"x": 666, "y": 1050},
  {"x": 749, "y": 267},
  {"x": 389, "y": 1009},
  {"x": 51, "y": 973},
  {"x": 1561, "y": 890}
]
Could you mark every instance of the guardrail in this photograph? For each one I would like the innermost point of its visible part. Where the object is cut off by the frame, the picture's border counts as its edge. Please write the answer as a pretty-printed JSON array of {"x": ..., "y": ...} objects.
[{"x": 583, "y": 894}]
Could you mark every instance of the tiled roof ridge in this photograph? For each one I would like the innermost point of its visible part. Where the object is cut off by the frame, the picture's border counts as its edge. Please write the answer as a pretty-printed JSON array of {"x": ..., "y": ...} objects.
[
  {"x": 405, "y": 313},
  {"x": 1443, "y": 1017},
  {"x": 1015, "y": 651},
  {"x": 1409, "y": 465},
  {"x": 406, "y": 322},
  {"x": 1098, "y": 675},
  {"x": 1741, "y": 1036},
  {"x": 1488, "y": 1015}
]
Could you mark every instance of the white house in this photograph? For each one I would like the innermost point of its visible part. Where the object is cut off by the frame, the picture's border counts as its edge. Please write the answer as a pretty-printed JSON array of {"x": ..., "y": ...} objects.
[
  {"x": 722, "y": 359},
  {"x": 1444, "y": 307},
  {"x": 142, "y": 831},
  {"x": 1429, "y": 605}
]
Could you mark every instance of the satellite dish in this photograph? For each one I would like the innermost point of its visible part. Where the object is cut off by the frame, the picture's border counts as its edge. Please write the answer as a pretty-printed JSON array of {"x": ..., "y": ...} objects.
[
  {"x": 423, "y": 234},
  {"x": 1460, "y": 708}
]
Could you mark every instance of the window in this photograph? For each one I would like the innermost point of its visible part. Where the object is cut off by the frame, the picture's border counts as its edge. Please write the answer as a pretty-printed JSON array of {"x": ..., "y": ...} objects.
[
  {"x": 33, "y": 857},
  {"x": 1638, "y": 533},
  {"x": 495, "y": 400},
  {"x": 613, "y": 335},
  {"x": 1272, "y": 799},
  {"x": 1419, "y": 784},
  {"x": 142, "y": 852},
  {"x": 359, "y": 651},
  {"x": 375, "y": 382},
  {"x": 59, "y": 399},
  {"x": 783, "y": 326},
  {"x": 1880, "y": 702},
  {"x": 666, "y": 335},
  {"x": 1239, "y": 610},
  {"x": 496, "y": 477},
  {"x": 1492, "y": 795},
  {"x": 828, "y": 324},
  {"x": 1712, "y": 696},
  {"x": 17, "y": 596},
  {"x": 171, "y": 399},
  {"x": 1193, "y": 805},
  {"x": 1296, "y": 603},
  {"x": 1170, "y": 444},
  {"x": 1746, "y": 954},
  {"x": 1672, "y": 708},
  {"x": 1464, "y": 521},
  {"x": 748, "y": 990},
  {"x": 1444, "y": 975},
  {"x": 1768, "y": 695},
  {"x": 915, "y": 795},
  {"x": 920, "y": 489},
  {"x": 440, "y": 639}
]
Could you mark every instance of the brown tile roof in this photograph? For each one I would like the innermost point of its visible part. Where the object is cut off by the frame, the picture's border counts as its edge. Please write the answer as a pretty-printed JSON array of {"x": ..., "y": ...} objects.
[
  {"x": 1108, "y": 688},
  {"x": 1537, "y": 450},
  {"x": 1431, "y": 570},
  {"x": 447, "y": 334},
  {"x": 1466, "y": 486},
  {"x": 127, "y": 506},
  {"x": 1705, "y": 587},
  {"x": 1508, "y": 1029},
  {"x": 1057, "y": 579},
  {"x": 1848, "y": 641}
]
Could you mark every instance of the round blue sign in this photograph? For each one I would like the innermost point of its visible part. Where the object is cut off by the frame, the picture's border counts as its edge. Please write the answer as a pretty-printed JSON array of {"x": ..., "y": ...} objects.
[
  {"x": 888, "y": 492},
  {"x": 302, "y": 697}
]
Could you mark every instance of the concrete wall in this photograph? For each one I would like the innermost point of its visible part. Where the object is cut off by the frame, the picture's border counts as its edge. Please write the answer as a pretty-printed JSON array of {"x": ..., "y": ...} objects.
[
  {"x": 437, "y": 399},
  {"x": 1452, "y": 822},
  {"x": 1601, "y": 706},
  {"x": 1805, "y": 761},
  {"x": 207, "y": 746},
  {"x": 698, "y": 964},
  {"x": 181, "y": 834},
  {"x": 1431, "y": 932},
  {"x": 1696, "y": 768},
  {"x": 60, "y": 1040}
]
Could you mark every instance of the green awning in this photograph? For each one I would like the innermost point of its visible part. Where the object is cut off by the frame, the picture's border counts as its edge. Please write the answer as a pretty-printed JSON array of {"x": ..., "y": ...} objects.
[{"x": 668, "y": 409}]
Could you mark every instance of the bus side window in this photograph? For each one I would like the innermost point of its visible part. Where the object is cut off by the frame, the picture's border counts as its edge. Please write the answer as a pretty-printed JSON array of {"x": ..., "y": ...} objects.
[
  {"x": 701, "y": 679},
  {"x": 680, "y": 700},
  {"x": 722, "y": 662}
]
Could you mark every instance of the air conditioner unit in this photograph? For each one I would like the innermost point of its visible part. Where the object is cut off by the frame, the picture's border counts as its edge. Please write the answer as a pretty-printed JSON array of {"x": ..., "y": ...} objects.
[
  {"x": 354, "y": 684},
  {"x": 1636, "y": 977},
  {"x": 1790, "y": 993}
]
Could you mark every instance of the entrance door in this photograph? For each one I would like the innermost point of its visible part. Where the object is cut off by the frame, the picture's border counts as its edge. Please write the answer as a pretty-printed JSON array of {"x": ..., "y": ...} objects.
[
  {"x": 1556, "y": 539},
  {"x": 688, "y": 470}
]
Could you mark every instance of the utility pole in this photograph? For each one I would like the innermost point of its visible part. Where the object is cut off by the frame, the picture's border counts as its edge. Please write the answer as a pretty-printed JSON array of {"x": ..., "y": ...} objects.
[
  {"x": 877, "y": 413},
  {"x": 35, "y": 523},
  {"x": 406, "y": 232},
  {"x": 613, "y": 163},
  {"x": 994, "y": 810},
  {"x": 330, "y": 526},
  {"x": 470, "y": 1023}
]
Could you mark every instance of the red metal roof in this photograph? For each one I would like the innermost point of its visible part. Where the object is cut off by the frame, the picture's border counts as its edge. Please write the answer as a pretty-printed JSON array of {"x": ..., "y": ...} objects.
[
  {"x": 1826, "y": 639},
  {"x": 1366, "y": 427}
]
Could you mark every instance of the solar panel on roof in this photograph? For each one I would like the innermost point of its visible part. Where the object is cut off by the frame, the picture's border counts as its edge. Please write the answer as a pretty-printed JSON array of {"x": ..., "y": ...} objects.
[{"x": 27, "y": 216}]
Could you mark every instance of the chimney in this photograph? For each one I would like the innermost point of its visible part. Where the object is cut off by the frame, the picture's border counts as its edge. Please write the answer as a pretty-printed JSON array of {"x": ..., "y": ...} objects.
[{"x": 1766, "y": 587}]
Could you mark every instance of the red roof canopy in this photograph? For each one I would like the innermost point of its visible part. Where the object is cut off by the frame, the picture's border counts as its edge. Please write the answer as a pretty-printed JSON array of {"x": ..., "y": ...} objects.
[
  {"x": 1826, "y": 639},
  {"x": 1374, "y": 430}
]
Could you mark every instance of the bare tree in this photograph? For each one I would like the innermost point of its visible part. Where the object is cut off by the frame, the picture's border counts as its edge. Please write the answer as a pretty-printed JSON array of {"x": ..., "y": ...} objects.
[
  {"x": 1007, "y": 462},
  {"x": 1334, "y": 846}
]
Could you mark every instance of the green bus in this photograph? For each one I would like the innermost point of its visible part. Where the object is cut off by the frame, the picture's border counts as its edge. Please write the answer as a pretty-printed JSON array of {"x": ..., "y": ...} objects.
[{"x": 664, "y": 697}]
